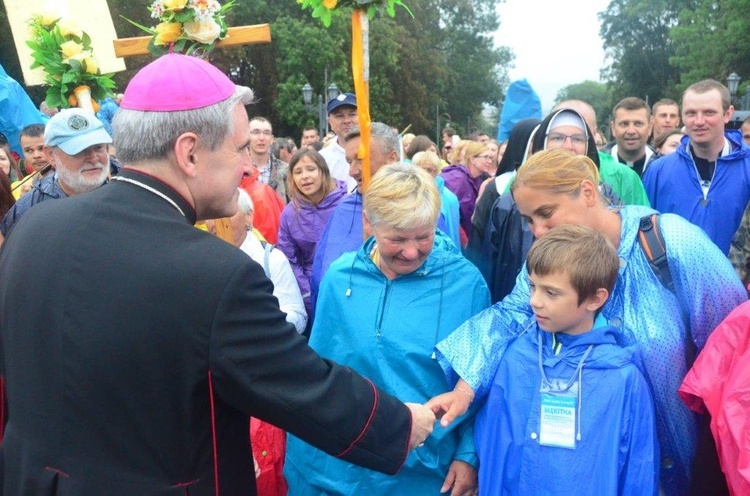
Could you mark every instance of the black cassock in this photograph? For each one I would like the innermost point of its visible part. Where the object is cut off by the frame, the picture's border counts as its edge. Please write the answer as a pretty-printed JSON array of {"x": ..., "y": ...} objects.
[{"x": 120, "y": 322}]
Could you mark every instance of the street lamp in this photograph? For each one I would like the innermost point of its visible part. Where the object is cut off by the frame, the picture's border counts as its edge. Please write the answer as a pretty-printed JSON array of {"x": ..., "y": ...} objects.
[
  {"x": 332, "y": 91},
  {"x": 733, "y": 83}
]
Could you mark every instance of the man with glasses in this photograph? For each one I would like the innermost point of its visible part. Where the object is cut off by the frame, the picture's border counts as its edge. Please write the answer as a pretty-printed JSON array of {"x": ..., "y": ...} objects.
[
  {"x": 342, "y": 117},
  {"x": 272, "y": 171},
  {"x": 624, "y": 180},
  {"x": 631, "y": 128}
]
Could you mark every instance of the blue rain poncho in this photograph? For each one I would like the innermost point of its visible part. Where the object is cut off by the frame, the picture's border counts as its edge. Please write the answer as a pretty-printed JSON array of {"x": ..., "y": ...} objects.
[
  {"x": 386, "y": 330},
  {"x": 613, "y": 414},
  {"x": 658, "y": 321}
]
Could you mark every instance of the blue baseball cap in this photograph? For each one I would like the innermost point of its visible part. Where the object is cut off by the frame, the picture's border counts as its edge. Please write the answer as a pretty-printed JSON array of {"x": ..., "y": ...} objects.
[
  {"x": 74, "y": 129},
  {"x": 341, "y": 100}
]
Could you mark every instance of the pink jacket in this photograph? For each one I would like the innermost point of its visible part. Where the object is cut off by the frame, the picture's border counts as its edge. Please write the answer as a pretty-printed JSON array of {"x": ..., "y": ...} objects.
[{"x": 719, "y": 383}]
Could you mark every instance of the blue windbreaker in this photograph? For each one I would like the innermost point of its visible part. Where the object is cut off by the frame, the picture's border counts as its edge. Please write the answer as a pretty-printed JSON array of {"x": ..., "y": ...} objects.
[
  {"x": 658, "y": 321},
  {"x": 617, "y": 453},
  {"x": 386, "y": 330},
  {"x": 673, "y": 186}
]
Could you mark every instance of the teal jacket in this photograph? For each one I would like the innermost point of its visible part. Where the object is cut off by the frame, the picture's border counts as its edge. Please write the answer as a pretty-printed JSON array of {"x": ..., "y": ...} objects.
[{"x": 387, "y": 330}]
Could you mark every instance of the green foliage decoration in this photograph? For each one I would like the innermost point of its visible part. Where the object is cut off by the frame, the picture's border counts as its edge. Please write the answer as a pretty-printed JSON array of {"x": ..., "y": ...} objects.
[
  {"x": 326, "y": 9},
  {"x": 66, "y": 55}
]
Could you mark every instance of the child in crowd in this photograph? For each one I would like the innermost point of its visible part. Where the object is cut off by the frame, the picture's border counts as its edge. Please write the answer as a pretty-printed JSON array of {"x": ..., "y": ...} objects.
[{"x": 569, "y": 411}]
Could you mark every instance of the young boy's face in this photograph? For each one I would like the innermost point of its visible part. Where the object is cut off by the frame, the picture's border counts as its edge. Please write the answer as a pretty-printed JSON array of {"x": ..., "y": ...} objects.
[{"x": 555, "y": 304}]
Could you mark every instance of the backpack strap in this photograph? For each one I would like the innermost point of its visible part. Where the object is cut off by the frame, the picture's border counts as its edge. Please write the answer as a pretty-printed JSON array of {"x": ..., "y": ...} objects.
[{"x": 652, "y": 244}]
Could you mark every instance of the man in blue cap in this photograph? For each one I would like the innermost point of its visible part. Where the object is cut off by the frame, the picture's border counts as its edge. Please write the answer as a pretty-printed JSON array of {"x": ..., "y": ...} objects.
[
  {"x": 75, "y": 143},
  {"x": 342, "y": 117}
]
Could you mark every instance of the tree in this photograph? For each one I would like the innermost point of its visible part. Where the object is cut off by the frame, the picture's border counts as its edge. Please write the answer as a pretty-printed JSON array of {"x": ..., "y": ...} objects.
[
  {"x": 637, "y": 42},
  {"x": 451, "y": 64},
  {"x": 712, "y": 40},
  {"x": 595, "y": 94}
]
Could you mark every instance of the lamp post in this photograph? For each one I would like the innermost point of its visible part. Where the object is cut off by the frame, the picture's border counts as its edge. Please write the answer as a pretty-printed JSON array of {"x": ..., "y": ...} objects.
[
  {"x": 746, "y": 98},
  {"x": 332, "y": 91},
  {"x": 733, "y": 83}
]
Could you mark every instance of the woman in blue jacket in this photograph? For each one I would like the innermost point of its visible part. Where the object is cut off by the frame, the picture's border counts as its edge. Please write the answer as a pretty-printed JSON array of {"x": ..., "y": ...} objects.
[{"x": 381, "y": 310}]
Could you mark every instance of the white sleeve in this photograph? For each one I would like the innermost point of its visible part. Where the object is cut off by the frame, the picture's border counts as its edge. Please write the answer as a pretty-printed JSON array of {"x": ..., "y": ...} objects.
[{"x": 286, "y": 290}]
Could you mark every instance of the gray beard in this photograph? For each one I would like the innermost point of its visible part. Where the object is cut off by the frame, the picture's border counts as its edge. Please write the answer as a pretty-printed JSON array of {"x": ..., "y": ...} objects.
[{"x": 78, "y": 183}]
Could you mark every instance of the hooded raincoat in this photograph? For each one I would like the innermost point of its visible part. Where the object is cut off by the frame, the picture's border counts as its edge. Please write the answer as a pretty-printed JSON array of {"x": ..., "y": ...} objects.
[
  {"x": 386, "y": 330},
  {"x": 718, "y": 384},
  {"x": 664, "y": 325},
  {"x": 301, "y": 226},
  {"x": 613, "y": 414},
  {"x": 449, "y": 212},
  {"x": 674, "y": 185},
  {"x": 342, "y": 233},
  {"x": 466, "y": 188}
]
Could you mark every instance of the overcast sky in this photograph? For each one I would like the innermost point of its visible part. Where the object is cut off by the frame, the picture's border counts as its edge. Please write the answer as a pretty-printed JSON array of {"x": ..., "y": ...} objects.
[{"x": 555, "y": 43}]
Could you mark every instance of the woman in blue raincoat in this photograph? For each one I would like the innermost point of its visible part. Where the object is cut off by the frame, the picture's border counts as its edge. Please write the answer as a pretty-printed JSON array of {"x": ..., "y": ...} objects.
[
  {"x": 668, "y": 327},
  {"x": 381, "y": 310}
]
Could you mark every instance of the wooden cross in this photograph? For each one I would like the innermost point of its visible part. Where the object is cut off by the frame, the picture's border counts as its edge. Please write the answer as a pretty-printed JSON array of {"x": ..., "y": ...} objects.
[{"x": 242, "y": 35}]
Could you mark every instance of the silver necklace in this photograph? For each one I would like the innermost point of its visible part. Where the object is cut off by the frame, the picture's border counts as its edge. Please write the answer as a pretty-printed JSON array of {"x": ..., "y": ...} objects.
[{"x": 152, "y": 190}]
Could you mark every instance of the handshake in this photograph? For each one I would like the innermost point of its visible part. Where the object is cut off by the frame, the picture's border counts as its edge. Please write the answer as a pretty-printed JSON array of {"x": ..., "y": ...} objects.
[{"x": 446, "y": 407}]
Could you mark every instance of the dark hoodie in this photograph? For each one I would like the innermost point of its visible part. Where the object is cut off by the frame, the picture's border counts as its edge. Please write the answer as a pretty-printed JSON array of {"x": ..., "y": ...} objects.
[{"x": 514, "y": 155}]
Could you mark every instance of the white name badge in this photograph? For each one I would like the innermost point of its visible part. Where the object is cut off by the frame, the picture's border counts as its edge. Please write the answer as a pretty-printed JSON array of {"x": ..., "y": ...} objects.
[{"x": 558, "y": 423}]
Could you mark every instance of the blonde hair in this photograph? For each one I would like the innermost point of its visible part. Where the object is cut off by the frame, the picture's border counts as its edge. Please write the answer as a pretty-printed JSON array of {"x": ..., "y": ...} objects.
[
  {"x": 402, "y": 196},
  {"x": 457, "y": 156},
  {"x": 556, "y": 171},
  {"x": 588, "y": 259},
  {"x": 427, "y": 157}
]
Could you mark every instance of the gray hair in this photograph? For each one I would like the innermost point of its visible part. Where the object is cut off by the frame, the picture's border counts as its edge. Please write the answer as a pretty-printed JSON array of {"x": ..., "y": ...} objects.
[
  {"x": 380, "y": 133},
  {"x": 142, "y": 136},
  {"x": 244, "y": 202}
]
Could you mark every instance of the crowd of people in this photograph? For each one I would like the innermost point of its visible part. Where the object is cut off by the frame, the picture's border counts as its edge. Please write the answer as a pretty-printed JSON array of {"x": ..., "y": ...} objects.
[{"x": 226, "y": 311}]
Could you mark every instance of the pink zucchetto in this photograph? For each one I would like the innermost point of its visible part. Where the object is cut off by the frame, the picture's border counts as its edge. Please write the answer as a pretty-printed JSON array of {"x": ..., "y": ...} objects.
[{"x": 175, "y": 82}]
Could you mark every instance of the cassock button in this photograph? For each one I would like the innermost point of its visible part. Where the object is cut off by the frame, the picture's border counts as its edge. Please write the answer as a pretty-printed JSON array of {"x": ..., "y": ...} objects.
[
  {"x": 533, "y": 435},
  {"x": 264, "y": 453}
]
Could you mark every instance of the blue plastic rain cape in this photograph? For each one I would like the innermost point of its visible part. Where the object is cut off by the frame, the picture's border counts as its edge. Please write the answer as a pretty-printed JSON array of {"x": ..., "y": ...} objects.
[
  {"x": 16, "y": 110},
  {"x": 647, "y": 314},
  {"x": 521, "y": 102}
]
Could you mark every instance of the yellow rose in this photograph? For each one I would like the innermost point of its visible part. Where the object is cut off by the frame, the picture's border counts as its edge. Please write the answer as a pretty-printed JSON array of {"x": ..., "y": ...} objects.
[
  {"x": 91, "y": 66},
  {"x": 71, "y": 49},
  {"x": 330, "y": 4},
  {"x": 167, "y": 32},
  {"x": 175, "y": 5},
  {"x": 47, "y": 17},
  {"x": 202, "y": 31},
  {"x": 69, "y": 28}
]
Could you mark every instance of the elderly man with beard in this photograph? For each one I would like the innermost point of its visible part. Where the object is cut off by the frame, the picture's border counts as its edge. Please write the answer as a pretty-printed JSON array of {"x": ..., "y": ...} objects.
[{"x": 75, "y": 142}]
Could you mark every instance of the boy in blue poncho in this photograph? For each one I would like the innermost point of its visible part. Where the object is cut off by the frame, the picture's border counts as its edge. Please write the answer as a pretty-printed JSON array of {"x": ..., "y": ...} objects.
[{"x": 569, "y": 411}]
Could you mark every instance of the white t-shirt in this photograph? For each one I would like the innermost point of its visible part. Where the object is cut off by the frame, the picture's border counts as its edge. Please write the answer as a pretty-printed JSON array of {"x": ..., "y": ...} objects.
[{"x": 336, "y": 159}]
